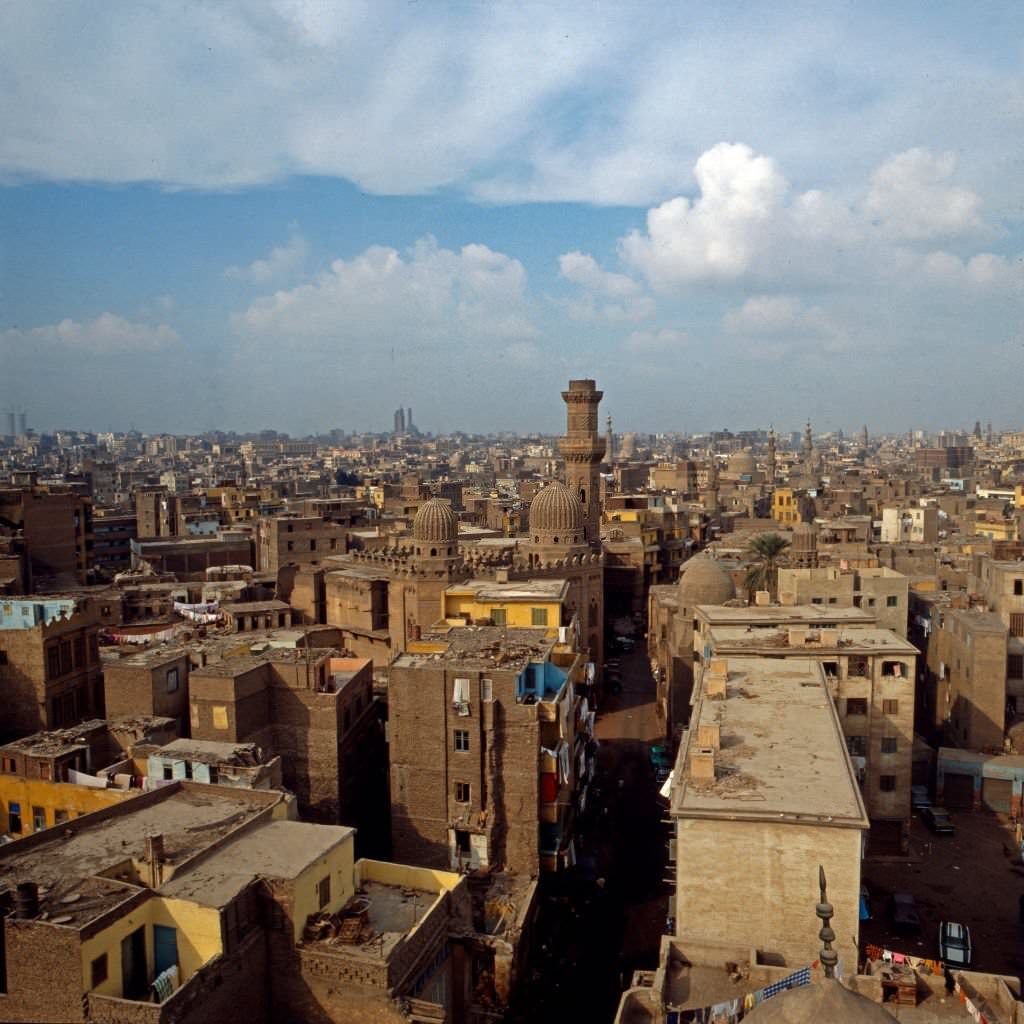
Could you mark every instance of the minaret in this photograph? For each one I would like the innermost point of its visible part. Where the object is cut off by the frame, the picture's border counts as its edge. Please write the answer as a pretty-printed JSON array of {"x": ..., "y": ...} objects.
[
  {"x": 771, "y": 457},
  {"x": 808, "y": 450},
  {"x": 583, "y": 449},
  {"x": 711, "y": 502},
  {"x": 609, "y": 443}
]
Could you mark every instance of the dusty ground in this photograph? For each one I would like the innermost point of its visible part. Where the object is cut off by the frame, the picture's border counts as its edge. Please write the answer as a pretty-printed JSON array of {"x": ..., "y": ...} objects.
[{"x": 968, "y": 878}]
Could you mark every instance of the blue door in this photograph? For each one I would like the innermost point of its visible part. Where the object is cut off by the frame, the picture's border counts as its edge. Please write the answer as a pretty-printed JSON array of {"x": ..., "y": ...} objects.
[{"x": 165, "y": 948}]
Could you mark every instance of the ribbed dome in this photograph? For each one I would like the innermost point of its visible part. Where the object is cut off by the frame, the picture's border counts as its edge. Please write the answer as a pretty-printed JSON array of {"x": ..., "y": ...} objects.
[
  {"x": 435, "y": 523},
  {"x": 704, "y": 581},
  {"x": 741, "y": 463},
  {"x": 556, "y": 508},
  {"x": 824, "y": 1000}
]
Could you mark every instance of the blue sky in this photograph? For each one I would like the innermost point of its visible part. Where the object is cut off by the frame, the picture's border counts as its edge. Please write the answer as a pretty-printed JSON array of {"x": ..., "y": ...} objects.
[{"x": 300, "y": 215}]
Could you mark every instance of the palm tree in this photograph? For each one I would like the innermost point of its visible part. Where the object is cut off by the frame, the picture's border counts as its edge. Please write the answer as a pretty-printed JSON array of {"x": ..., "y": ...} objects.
[{"x": 764, "y": 551}]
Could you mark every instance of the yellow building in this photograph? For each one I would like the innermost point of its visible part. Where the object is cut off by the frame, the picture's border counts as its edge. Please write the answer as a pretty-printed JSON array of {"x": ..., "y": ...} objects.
[
  {"x": 785, "y": 506},
  {"x": 526, "y": 604},
  {"x": 31, "y": 805}
]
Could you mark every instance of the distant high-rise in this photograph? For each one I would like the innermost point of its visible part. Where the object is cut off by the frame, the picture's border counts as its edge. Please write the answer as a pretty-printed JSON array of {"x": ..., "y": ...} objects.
[
  {"x": 22, "y": 423},
  {"x": 399, "y": 420},
  {"x": 11, "y": 428},
  {"x": 408, "y": 421}
]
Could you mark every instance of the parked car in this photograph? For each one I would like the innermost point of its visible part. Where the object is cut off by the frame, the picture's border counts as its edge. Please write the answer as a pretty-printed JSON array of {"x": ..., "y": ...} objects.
[
  {"x": 938, "y": 820},
  {"x": 903, "y": 915},
  {"x": 919, "y": 797},
  {"x": 955, "y": 944}
]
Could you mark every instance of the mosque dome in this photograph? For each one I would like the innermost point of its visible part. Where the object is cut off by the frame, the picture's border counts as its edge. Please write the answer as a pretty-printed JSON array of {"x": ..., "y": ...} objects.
[
  {"x": 556, "y": 508},
  {"x": 741, "y": 463},
  {"x": 823, "y": 1000},
  {"x": 435, "y": 523},
  {"x": 704, "y": 581}
]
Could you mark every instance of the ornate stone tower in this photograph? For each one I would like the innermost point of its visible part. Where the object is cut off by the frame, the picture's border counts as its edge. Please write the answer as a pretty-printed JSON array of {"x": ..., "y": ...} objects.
[
  {"x": 609, "y": 443},
  {"x": 771, "y": 457},
  {"x": 583, "y": 449}
]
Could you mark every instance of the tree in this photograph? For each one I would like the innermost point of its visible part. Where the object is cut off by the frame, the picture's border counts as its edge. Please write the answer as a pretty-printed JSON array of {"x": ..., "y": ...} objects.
[{"x": 764, "y": 551}]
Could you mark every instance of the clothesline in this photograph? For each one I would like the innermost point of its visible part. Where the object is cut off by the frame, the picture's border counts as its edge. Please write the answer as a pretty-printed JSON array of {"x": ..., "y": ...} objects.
[{"x": 733, "y": 1010}]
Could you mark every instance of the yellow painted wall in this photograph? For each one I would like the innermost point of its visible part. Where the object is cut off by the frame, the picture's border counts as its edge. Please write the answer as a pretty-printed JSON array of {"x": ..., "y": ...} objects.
[
  {"x": 388, "y": 873},
  {"x": 199, "y": 940},
  {"x": 785, "y": 509},
  {"x": 1018, "y": 496},
  {"x": 518, "y": 614},
  {"x": 339, "y": 864},
  {"x": 54, "y": 796}
]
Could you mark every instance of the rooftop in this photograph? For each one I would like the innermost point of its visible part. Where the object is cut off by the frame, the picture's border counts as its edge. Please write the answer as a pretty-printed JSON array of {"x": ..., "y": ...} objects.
[
  {"x": 211, "y": 752},
  {"x": 849, "y": 641},
  {"x": 782, "y": 752},
  {"x": 274, "y": 849},
  {"x": 521, "y": 590},
  {"x": 190, "y": 817},
  {"x": 797, "y": 614},
  {"x": 58, "y": 741},
  {"x": 481, "y": 646}
]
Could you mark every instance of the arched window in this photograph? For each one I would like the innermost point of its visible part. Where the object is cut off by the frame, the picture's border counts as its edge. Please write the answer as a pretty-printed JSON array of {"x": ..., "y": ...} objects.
[
  {"x": 583, "y": 496},
  {"x": 433, "y": 552}
]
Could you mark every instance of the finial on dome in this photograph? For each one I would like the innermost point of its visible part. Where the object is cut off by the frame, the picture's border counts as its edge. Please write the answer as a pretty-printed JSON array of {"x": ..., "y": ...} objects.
[{"x": 829, "y": 957}]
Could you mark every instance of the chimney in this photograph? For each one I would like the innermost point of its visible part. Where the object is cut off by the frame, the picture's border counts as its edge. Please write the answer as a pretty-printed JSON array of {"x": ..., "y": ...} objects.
[
  {"x": 762, "y": 598},
  {"x": 709, "y": 736},
  {"x": 26, "y": 901},
  {"x": 717, "y": 677},
  {"x": 702, "y": 764},
  {"x": 154, "y": 856},
  {"x": 501, "y": 575}
]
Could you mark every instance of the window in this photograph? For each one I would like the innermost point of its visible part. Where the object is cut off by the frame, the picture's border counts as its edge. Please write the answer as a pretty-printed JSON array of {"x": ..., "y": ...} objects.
[
  {"x": 833, "y": 600},
  {"x": 13, "y": 817},
  {"x": 291, "y": 545},
  {"x": 38, "y": 819},
  {"x": 99, "y": 970},
  {"x": 323, "y": 891},
  {"x": 462, "y": 792},
  {"x": 220, "y": 716},
  {"x": 857, "y": 746},
  {"x": 172, "y": 680},
  {"x": 53, "y": 662},
  {"x": 312, "y": 543},
  {"x": 10, "y": 766},
  {"x": 892, "y": 601},
  {"x": 60, "y": 816},
  {"x": 815, "y": 600},
  {"x": 499, "y": 616},
  {"x": 887, "y": 783},
  {"x": 856, "y": 706},
  {"x": 1017, "y": 624},
  {"x": 871, "y": 602},
  {"x": 1015, "y": 666},
  {"x": 539, "y": 616},
  {"x": 3, "y": 657},
  {"x": 461, "y": 739},
  {"x": 486, "y": 690},
  {"x": 44, "y": 769},
  {"x": 1018, "y": 588},
  {"x": 892, "y": 668},
  {"x": 831, "y": 669},
  {"x": 889, "y": 744},
  {"x": 890, "y": 707}
]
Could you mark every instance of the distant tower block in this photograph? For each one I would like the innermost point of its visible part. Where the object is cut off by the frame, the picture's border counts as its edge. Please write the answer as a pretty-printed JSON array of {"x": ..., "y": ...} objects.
[
  {"x": 22, "y": 423},
  {"x": 583, "y": 449}
]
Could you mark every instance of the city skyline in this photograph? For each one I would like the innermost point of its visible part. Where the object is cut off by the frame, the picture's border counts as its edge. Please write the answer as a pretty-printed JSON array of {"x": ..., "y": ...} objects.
[{"x": 304, "y": 216}]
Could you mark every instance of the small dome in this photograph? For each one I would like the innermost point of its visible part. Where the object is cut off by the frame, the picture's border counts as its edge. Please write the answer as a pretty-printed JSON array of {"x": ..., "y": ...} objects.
[
  {"x": 435, "y": 523},
  {"x": 825, "y": 1000},
  {"x": 704, "y": 581},
  {"x": 741, "y": 463},
  {"x": 556, "y": 508}
]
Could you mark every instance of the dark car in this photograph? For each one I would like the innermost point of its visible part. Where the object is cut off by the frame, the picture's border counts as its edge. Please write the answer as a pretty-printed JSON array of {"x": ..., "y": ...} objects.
[
  {"x": 903, "y": 915},
  {"x": 938, "y": 820},
  {"x": 955, "y": 944},
  {"x": 919, "y": 798}
]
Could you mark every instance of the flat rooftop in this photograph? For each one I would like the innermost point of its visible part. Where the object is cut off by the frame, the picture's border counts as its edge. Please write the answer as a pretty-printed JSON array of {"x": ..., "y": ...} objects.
[
  {"x": 870, "y": 640},
  {"x": 242, "y": 755},
  {"x": 275, "y": 849},
  {"x": 775, "y": 614},
  {"x": 520, "y": 590},
  {"x": 189, "y": 816},
  {"x": 782, "y": 751},
  {"x": 480, "y": 646},
  {"x": 58, "y": 741}
]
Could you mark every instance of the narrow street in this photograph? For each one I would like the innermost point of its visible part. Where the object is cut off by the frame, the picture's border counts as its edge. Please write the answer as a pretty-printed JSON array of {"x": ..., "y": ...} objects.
[{"x": 593, "y": 933}]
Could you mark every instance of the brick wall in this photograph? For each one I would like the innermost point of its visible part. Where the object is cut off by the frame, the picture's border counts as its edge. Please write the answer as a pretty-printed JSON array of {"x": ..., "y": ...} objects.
[{"x": 44, "y": 973}]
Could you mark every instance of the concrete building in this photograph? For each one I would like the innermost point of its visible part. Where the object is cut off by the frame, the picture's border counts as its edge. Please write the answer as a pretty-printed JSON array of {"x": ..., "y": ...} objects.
[
  {"x": 296, "y": 540},
  {"x": 56, "y": 528},
  {"x": 871, "y": 676},
  {"x": 881, "y": 591},
  {"x": 741, "y": 784},
  {"x": 50, "y": 673},
  {"x": 490, "y": 749},
  {"x": 151, "y": 682},
  {"x": 910, "y": 525}
]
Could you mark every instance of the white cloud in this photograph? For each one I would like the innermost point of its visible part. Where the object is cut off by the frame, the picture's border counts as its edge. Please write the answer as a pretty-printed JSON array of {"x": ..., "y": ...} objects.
[
  {"x": 108, "y": 334},
  {"x": 985, "y": 271},
  {"x": 911, "y": 198},
  {"x": 283, "y": 263},
  {"x": 429, "y": 294},
  {"x": 661, "y": 341},
  {"x": 616, "y": 298},
  {"x": 776, "y": 314}
]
